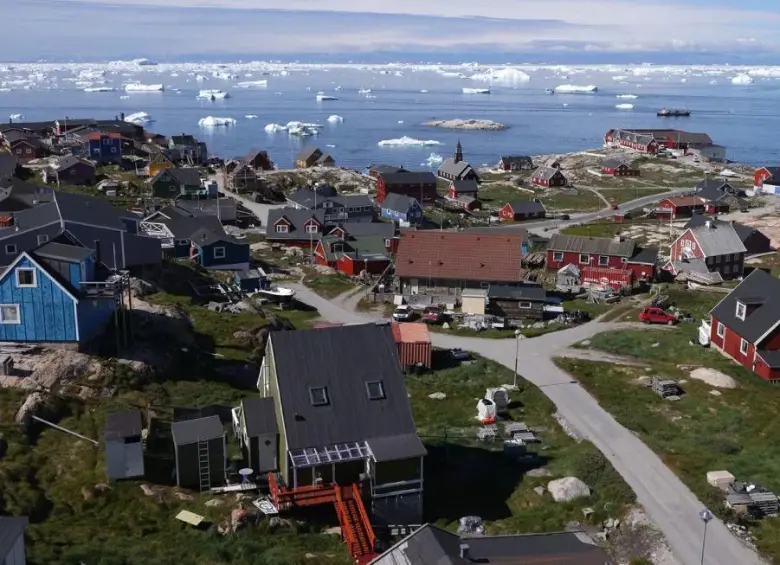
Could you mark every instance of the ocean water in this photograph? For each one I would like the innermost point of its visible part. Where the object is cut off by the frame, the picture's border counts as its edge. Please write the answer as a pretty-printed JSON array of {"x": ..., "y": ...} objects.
[{"x": 744, "y": 118}]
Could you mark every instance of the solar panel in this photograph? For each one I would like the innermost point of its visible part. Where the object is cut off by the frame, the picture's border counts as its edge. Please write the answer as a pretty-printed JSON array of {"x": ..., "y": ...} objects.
[{"x": 340, "y": 452}]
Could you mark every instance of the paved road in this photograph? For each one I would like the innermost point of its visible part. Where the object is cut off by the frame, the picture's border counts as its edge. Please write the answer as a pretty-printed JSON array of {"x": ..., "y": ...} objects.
[{"x": 668, "y": 503}]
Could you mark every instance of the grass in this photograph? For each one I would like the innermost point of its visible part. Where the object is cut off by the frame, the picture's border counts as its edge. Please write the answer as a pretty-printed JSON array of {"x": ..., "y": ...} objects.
[
  {"x": 328, "y": 286},
  {"x": 605, "y": 227},
  {"x": 499, "y": 193},
  {"x": 457, "y": 463},
  {"x": 570, "y": 200},
  {"x": 769, "y": 262},
  {"x": 620, "y": 195},
  {"x": 700, "y": 432}
]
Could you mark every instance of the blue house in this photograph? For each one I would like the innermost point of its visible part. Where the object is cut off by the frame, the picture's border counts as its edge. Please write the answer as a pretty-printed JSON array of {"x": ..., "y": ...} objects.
[
  {"x": 218, "y": 250},
  {"x": 54, "y": 295},
  {"x": 105, "y": 148},
  {"x": 400, "y": 208}
]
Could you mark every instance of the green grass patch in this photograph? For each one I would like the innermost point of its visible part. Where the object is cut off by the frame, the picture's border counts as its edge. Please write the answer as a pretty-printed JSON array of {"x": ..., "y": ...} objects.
[
  {"x": 621, "y": 195},
  {"x": 570, "y": 200},
  {"x": 601, "y": 228},
  {"x": 328, "y": 286}
]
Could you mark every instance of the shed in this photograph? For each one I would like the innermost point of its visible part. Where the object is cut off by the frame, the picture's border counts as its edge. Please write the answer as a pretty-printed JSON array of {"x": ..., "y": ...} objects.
[
  {"x": 473, "y": 301},
  {"x": 199, "y": 450},
  {"x": 414, "y": 344},
  {"x": 12, "y": 539},
  {"x": 251, "y": 280},
  {"x": 124, "y": 447},
  {"x": 517, "y": 302},
  {"x": 260, "y": 434},
  {"x": 568, "y": 278},
  {"x": 720, "y": 479}
]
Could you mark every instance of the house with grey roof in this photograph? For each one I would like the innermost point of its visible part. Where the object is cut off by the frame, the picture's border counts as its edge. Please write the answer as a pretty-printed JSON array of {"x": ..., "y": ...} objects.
[
  {"x": 255, "y": 425},
  {"x": 200, "y": 452},
  {"x": 175, "y": 181},
  {"x": 722, "y": 194},
  {"x": 401, "y": 208},
  {"x": 186, "y": 148},
  {"x": 745, "y": 325},
  {"x": 431, "y": 544},
  {"x": 12, "y": 540},
  {"x": 416, "y": 184},
  {"x": 522, "y": 210},
  {"x": 16, "y": 194},
  {"x": 710, "y": 252},
  {"x": 754, "y": 240},
  {"x": 343, "y": 416},
  {"x": 598, "y": 253},
  {"x": 337, "y": 208},
  {"x": 291, "y": 226},
  {"x": 547, "y": 177},
  {"x": 515, "y": 163}
]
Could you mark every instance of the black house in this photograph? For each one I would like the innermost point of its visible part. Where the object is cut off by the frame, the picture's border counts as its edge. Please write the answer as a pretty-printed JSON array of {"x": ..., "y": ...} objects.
[
  {"x": 516, "y": 303},
  {"x": 200, "y": 452}
]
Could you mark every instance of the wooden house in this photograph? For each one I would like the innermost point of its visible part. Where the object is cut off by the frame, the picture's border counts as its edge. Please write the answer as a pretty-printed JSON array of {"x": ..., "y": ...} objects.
[
  {"x": 349, "y": 208},
  {"x": 378, "y": 169},
  {"x": 200, "y": 452},
  {"x": 687, "y": 206},
  {"x": 344, "y": 417},
  {"x": 402, "y": 209},
  {"x": 158, "y": 160},
  {"x": 186, "y": 148},
  {"x": 255, "y": 425},
  {"x": 294, "y": 227},
  {"x": 105, "y": 148},
  {"x": 357, "y": 251},
  {"x": 602, "y": 252},
  {"x": 313, "y": 157},
  {"x": 214, "y": 249},
  {"x": 722, "y": 195},
  {"x": 29, "y": 148},
  {"x": 72, "y": 170},
  {"x": 259, "y": 160},
  {"x": 745, "y": 325},
  {"x": 243, "y": 179},
  {"x": 619, "y": 167},
  {"x": 548, "y": 177},
  {"x": 175, "y": 181},
  {"x": 419, "y": 185},
  {"x": 754, "y": 240},
  {"x": 516, "y": 163},
  {"x": 123, "y": 445},
  {"x": 522, "y": 210},
  {"x": 713, "y": 250},
  {"x": 455, "y": 168},
  {"x": 516, "y": 303},
  {"x": 459, "y": 188}
]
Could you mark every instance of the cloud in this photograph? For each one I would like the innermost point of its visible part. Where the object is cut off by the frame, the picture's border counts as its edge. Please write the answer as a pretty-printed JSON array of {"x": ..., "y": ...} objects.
[{"x": 180, "y": 28}]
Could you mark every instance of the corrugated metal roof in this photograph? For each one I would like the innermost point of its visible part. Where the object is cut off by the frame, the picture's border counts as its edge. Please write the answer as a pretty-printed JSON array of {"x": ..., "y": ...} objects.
[
  {"x": 259, "y": 416},
  {"x": 411, "y": 333},
  {"x": 718, "y": 239},
  {"x": 199, "y": 429},
  {"x": 120, "y": 425},
  {"x": 592, "y": 245}
]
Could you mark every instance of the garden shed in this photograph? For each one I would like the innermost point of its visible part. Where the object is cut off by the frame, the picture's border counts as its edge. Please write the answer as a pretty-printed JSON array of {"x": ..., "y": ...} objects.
[
  {"x": 200, "y": 452},
  {"x": 124, "y": 446}
]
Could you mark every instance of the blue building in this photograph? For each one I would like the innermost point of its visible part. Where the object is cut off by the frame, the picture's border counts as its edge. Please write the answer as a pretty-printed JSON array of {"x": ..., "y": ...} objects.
[
  {"x": 105, "y": 148},
  {"x": 55, "y": 295},
  {"x": 400, "y": 208},
  {"x": 218, "y": 250}
]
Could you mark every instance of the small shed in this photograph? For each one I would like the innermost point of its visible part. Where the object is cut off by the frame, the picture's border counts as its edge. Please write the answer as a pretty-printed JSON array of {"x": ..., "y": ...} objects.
[
  {"x": 516, "y": 303},
  {"x": 568, "y": 278},
  {"x": 259, "y": 435},
  {"x": 200, "y": 452},
  {"x": 124, "y": 446},
  {"x": 473, "y": 300},
  {"x": 414, "y": 344},
  {"x": 720, "y": 479},
  {"x": 251, "y": 280}
]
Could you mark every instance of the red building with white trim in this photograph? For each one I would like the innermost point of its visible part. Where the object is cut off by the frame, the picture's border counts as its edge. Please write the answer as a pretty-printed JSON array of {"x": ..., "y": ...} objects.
[
  {"x": 603, "y": 253},
  {"x": 687, "y": 206}
]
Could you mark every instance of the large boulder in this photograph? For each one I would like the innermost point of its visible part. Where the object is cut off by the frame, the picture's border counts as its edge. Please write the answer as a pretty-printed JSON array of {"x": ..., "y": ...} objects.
[{"x": 567, "y": 489}]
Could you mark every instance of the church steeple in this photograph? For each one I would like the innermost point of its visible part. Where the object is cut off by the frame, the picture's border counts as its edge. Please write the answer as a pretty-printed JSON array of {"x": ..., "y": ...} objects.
[{"x": 458, "y": 153}]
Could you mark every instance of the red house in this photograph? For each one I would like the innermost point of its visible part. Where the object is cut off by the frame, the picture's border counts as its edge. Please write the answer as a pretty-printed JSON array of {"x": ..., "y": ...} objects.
[
  {"x": 687, "y": 206},
  {"x": 602, "y": 252},
  {"x": 763, "y": 174},
  {"x": 714, "y": 250},
  {"x": 29, "y": 148},
  {"x": 522, "y": 210},
  {"x": 419, "y": 185},
  {"x": 353, "y": 248},
  {"x": 619, "y": 167},
  {"x": 746, "y": 325},
  {"x": 547, "y": 177},
  {"x": 465, "y": 187}
]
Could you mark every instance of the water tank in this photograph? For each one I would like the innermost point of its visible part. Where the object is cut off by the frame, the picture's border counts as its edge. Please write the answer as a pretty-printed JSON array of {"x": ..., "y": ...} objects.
[{"x": 486, "y": 411}]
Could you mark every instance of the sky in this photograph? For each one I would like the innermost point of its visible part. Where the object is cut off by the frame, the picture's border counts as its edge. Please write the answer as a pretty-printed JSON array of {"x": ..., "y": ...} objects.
[{"x": 669, "y": 31}]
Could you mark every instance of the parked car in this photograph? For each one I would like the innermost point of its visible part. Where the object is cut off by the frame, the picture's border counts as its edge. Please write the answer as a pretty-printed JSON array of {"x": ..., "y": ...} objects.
[
  {"x": 403, "y": 313},
  {"x": 459, "y": 354},
  {"x": 651, "y": 315},
  {"x": 433, "y": 315},
  {"x": 565, "y": 217}
]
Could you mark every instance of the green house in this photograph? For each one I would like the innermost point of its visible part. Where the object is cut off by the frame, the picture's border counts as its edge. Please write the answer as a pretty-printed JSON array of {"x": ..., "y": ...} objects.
[{"x": 177, "y": 181}]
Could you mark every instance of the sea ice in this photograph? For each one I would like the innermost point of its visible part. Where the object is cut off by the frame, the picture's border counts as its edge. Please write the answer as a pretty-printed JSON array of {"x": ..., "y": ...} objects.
[
  {"x": 139, "y": 118},
  {"x": 252, "y": 84},
  {"x": 432, "y": 160},
  {"x": 334, "y": 119},
  {"x": 99, "y": 89},
  {"x": 632, "y": 96},
  {"x": 423, "y": 91},
  {"x": 16, "y": 117},
  {"x": 124, "y": 98},
  {"x": 364, "y": 91},
  {"x": 624, "y": 106},
  {"x": 476, "y": 91},
  {"x": 274, "y": 128},
  {"x": 742, "y": 79},
  {"x": 138, "y": 87},
  {"x": 251, "y": 116},
  {"x": 406, "y": 141},
  {"x": 504, "y": 75},
  {"x": 575, "y": 89},
  {"x": 213, "y": 121},
  {"x": 213, "y": 95}
]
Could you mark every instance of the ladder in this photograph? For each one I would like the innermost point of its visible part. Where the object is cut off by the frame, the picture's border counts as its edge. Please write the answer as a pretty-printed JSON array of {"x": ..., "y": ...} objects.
[{"x": 203, "y": 466}]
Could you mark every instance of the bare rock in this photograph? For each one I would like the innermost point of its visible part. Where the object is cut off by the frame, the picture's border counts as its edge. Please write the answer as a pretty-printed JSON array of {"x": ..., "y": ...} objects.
[
  {"x": 539, "y": 490},
  {"x": 437, "y": 396},
  {"x": 714, "y": 392},
  {"x": 334, "y": 531},
  {"x": 276, "y": 523},
  {"x": 183, "y": 496},
  {"x": 471, "y": 124},
  {"x": 87, "y": 493},
  {"x": 243, "y": 337},
  {"x": 223, "y": 529},
  {"x": 141, "y": 288},
  {"x": 32, "y": 404},
  {"x": 149, "y": 490},
  {"x": 567, "y": 489},
  {"x": 214, "y": 502},
  {"x": 101, "y": 487},
  {"x": 539, "y": 472}
]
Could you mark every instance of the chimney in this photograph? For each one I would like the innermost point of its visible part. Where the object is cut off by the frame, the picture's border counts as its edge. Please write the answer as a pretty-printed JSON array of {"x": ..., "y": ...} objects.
[{"x": 464, "y": 551}]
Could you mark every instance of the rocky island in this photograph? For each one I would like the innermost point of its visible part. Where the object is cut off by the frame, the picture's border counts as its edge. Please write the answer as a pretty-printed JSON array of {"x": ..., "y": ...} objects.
[{"x": 488, "y": 125}]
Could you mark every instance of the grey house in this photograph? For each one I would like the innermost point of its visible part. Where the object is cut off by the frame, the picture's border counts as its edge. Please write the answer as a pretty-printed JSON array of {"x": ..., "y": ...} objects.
[
  {"x": 124, "y": 448},
  {"x": 295, "y": 226},
  {"x": 516, "y": 303},
  {"x": 12, "y": 540},
  {"x": 350, "y": 208},
  {"x": 200, "y": 452},
  {"x": 254, "y": 423}
]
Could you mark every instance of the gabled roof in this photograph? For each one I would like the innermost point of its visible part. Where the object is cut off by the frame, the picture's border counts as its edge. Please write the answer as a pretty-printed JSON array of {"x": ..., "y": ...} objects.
[
  {"x": 358, "y": 229},
  {"x": 686, "y": 201},
  {"x": 450, "y": 167},
  {"x": 712, "y": 184},
  {"x": 362, "y": 247},
  {"x": 120, "y": 425},
  {"x": 324, "y": 158},
  {"x": 645, "y": 256},
  {"x": 68, "y": 161},
  {"x": 63, "y": 285},
  {"x": 386, "y": 169},
  {"x": 464, "y": 186},
  {"x": 8, "y": 165},
  {"x": 766, "y": 316},
  {"x": 398, "y": 202},
  {"x": 616, "y": 162},
  {"x": 62, "y": 252},
  {"x": 31, "y": 141},
  {"x": 185, "y": 176},
  {"x": 717, "y": 238},
  {"x": 517, "y": 159},
  {"x": 428, "y": 545},
  {"x": 527, "y": 207},
  {"x": 591, "y": 245},
  {"x": 199, "y": 429},
  {"x": 259, "y": 416},
  {"x": 296, "y": 218},
  {"x": 11, "y": 529},
  {"x": 460, "y": 255},
  {"x": 185, "y": 225},
  {"x": 408, "y": 178},
  {"x": 546, "y": 173},
  {"x": 307, "y": 153},
  {"x": 184, "y": 139},
  {"x": 743, "y": 231},
  {"x": 343, "y": 360}
]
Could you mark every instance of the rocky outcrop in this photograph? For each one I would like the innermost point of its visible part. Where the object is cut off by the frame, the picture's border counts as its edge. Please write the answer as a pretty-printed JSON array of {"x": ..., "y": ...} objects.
[
  {"x": 567, "y": 489},
  {"x": 488, "y": 125}
]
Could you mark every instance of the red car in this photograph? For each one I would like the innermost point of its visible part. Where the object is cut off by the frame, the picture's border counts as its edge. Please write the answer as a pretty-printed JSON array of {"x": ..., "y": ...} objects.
[
  {"x": 652, "y": 315},
  {"x": 433, "y": 315}
]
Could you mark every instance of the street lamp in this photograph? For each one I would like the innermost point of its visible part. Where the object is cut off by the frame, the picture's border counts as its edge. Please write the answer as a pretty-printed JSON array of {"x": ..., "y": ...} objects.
[
  {"x": 705, "y": 516},
  {"x": 518, "y": 333}
]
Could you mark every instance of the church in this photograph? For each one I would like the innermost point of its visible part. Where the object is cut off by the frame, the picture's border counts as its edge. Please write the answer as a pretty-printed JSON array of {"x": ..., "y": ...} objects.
[{"x": 455, "y": 168}]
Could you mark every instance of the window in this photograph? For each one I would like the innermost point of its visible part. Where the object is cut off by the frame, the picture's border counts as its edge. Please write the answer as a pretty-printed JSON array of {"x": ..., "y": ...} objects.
[
  {"x": 106, "y": 141},
  {"x": 387, "y": 244},
  {"x": 687, "y": 244},
  {"x": 73, "y": 171},
  {"x": 743, "y": 347},
  {"x": 25, "y": 278},
  {"x": 375, "y": 390},
  {"x": 721, "y": 331},
  {"x": 10, "y": 249},
  {"x": 624, "y": 260},
  {"x": 182, "y": 242},
  {"x": 319, "y": 396},
  {"x": 28, "y": 151},
  {"x": 9, "y": 314},
  {"x": 603, "y": 260},
  {"x": 557, "y": 256},
  {"x": 741, "y": 310},
  {"x": 43, "y": 238},
  {"x": 312, "y": 228},
  {"x": 584, "y": 258},
  {"x": 282, "y": 228},
  {"x": 338, "y": 248},
  {"x": 113, "y": 150},
  {"x": 727, "y": 269},
  {"x": 524, "y": 305},
  {"x": 219, "y": 253}
]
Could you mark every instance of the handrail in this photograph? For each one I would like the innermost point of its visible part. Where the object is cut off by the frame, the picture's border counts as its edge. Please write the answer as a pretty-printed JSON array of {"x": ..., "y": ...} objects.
[
  {"x": 346, "y": 525},
  {"x": 364, "y": 517}
]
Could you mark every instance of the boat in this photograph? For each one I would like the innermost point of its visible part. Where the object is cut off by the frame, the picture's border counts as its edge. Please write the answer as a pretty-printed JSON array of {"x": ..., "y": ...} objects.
[
  {"x": 322, "y": 97},
  {"x": 672, "y": 113},
  {"x": 476, "y": 91},
  {"x": 277, "y": 293}
]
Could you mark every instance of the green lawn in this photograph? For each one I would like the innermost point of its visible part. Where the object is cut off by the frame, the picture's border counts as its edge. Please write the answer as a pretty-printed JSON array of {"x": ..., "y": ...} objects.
[
  {"x": 328, "y": 286},
  {"x": 570, "y": 200},
  {"x": 735, "y": 430},
  {"x": 620, "y": 195}
]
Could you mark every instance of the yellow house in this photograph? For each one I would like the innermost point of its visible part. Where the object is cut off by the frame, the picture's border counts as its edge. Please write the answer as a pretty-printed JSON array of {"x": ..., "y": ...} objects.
[{"x": 158, "y": 162}]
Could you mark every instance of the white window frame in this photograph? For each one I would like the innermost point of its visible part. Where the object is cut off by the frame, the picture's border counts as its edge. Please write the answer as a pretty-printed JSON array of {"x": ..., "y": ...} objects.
[
  {"x": 586, "y": 262},
  {"x": 603, "y": 260},
  {"x": 312, "y": 228},
  {"x": 720, "y": 331},
  {"x": 18, "y": 319},
  {"x": 34, "y": 282},
  {"x": 743, "y": 346},
  {"x": 10, "y": 249},
  {"x": 741, "y": 311},
  {"x": 43, "y": 238},
  {"x": 282, "y": 228},
  {"x": 557, "y": 256},
  {"x": 222, "y": 253},
  {"x": 524, "y": 304}
]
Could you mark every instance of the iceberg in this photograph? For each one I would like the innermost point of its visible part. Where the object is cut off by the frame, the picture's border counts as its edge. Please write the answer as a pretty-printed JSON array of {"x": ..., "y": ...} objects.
[
  {"x": 334, "y": 119},
  {"x": 364, "y": 91},
  {"x": 274, "y": 128},
  {"x": 322, "y": 97},
  {"x": 124, "y": 98},
  {"x": 16, "y": 117},
  {"x": 99, "y": 89},
  {"x": 212, "y": 95},
  {"x": 251, "y": 116},
  {"x": 295, "y": 128},
  {"x": 505, "y": 75},
  {"x": 138, "y": 87},
  {"x": 139, "y": 118},
  {"x": 252, "y": 84},
  {"x": 432, "y": 160},
  {"x": 213, "y": 121},
  {"x": 144, "y": 62},
  {"x": 575, "y": 89},
  {"x": 624, "y": 106},
  {"x": 632, "y": 96},
  {"x": 408, "y": 142},
  {"x": 476, "y": 91},
  {"x": 742, "y": 79}
]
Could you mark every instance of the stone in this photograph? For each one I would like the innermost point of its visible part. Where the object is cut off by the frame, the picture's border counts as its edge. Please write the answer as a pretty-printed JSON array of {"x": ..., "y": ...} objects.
[
  {"x": 277, "y": 523},
  {"x": 716, "y": 393},
  {"x": 102, "y": 487},
  {"x": 656, "y": 344},
  {"x": 609, "y": 523},
  {"x": 309, "y": 556},
  {"x": 437, "y": 396},
  {"x": 585, "y": 343},
  {"x": 149, "y": 490},
  {"x": 539, "y": 490},
  {"x": 539, "y": 472},
  {"x": 86, "y": 493},
  {"x": 567, "y": 489},
  {"x": 470, "y": 124},
  {"x": 215, "y": 306},
  {"x": 588, "y": 512},
  {"x": 237, "y": 518},
  {"x": 214, "y": 502},
  {"x": 334, "y": 531},
  {"x": 445, "y": 325},
  {"x": 183, "y": 496}
]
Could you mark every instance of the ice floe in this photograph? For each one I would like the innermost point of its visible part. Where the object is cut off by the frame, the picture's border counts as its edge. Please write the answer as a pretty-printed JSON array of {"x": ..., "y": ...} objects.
[
  {"x": 631, "y": 96},
  {"x": 364, "y": 91},
  {"x": 575, "y": 89},
  {"x": 139, "y": 87},
  {"x": 251, "y": 116},
  {"x": 301, "y": 129},
  {"x": 432, "y": 160},
  {"x": 504, "y": 75},
  {"x": 624, "y": 106},
  {"x": 406, "y": 141},
  {"x": 743, "y": 78},
  {"x": 252, "y": 84},
  {"x": 476, "y": 91},
  {"x": 99, "y": 89},
  {"x": 139, "y": 118},
  {"x": 212, "y": 94},
  {"x": 16, "y": 117},
  {"x": 214, "y": 121},
  {"x": 334, "y": 119}
]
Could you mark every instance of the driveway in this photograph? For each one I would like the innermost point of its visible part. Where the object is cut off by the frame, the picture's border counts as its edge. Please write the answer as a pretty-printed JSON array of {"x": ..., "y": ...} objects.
[
  {"x": 667, "y": 501},
  {"x": 258, "y": 209}
]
